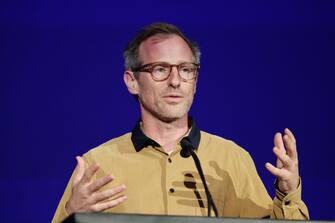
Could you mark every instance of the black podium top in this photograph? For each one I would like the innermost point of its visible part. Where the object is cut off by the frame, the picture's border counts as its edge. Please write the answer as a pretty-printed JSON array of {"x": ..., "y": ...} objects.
[{"x": 127, "y": 218}]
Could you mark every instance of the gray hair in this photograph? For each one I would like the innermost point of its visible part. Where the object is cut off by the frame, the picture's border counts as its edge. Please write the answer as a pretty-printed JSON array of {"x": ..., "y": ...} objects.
[{"x": 130, "y": 54}]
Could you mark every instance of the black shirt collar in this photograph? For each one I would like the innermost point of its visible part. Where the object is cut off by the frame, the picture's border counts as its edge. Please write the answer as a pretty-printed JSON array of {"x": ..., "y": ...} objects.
[{"x": 140, "y": 140}]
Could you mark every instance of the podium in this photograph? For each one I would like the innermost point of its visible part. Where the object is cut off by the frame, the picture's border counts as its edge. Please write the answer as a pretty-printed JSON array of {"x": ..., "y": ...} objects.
[{"x": 130, "y": 218}]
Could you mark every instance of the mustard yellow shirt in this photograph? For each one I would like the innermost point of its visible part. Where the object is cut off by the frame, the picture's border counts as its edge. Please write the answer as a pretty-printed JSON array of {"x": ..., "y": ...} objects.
[{"x": 168, "y": 184}]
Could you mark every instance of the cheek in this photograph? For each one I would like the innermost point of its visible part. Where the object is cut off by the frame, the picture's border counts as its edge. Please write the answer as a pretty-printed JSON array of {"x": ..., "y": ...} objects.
[
  {"x": 195, "y": 87},
  {"x": 191, "y": 90},
  {"x": 148, "y": 92}
]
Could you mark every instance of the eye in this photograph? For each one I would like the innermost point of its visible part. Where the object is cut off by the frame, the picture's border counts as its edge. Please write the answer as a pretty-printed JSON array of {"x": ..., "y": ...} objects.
[
  {"x": 187, "y": 69},
  {"x": 160, "y": 69}
]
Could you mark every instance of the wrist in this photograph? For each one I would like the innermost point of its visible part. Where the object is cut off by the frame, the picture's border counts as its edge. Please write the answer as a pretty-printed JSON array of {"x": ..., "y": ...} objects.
[{"x": 286, "y": 187}]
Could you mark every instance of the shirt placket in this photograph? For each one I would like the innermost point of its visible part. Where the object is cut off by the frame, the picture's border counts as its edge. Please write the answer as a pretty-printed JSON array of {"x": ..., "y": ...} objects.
[{"x": 170, "y": 189}]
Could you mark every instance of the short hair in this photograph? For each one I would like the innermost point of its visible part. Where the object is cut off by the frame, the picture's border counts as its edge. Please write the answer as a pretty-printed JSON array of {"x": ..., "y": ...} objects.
[{"x": 131, "y": 52}]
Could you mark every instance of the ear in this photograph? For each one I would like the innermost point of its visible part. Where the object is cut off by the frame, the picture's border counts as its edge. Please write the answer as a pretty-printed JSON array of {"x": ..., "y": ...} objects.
[{"x": 130, "y": 81}]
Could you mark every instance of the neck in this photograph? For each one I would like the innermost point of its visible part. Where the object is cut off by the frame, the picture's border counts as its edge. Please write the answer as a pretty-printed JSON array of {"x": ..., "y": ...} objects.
[{"x": 167, "y": 134}]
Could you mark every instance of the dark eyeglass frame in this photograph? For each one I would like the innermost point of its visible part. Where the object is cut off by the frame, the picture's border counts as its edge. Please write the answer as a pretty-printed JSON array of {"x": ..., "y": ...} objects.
[{"x": 150, "y": 66}]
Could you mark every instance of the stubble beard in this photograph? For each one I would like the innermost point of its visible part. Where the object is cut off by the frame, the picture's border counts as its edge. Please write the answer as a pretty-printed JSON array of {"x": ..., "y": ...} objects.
[{"x": 168, "y": 112}]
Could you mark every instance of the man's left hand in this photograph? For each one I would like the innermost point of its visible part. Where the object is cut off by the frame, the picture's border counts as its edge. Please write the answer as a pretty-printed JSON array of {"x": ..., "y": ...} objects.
[{"x": 286, "y": 170}]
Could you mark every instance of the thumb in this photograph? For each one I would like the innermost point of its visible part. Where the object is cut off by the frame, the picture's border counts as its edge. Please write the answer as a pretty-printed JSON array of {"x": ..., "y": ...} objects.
[{"x": 79, "y": 170}]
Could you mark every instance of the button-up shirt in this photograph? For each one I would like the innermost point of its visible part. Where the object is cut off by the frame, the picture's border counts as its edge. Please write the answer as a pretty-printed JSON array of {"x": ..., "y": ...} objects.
[{"x": 168, "y": 184}]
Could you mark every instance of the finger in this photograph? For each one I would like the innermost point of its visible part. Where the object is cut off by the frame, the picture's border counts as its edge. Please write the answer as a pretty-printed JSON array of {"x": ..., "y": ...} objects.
[
  {"x": 104, "y": 195},
  {"x": 96, "y": 185},
  {"x": 279, "y": 164},
  {"x": 274, "y": 170},
  {"x": 278, "y": 141},
  {"x": 89, "y": 172},
  {"x": 283, "y": 157},
  {"x": 290, "y": 134},
  {"x": 109, "y": 204},
  {"x": 291, "y": 148},
  {"x": 79, "y": 170}
]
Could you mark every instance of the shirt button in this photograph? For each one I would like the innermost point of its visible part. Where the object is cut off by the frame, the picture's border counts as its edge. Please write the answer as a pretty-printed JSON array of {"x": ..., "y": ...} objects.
[
  {"x": 171, "y": 190},
  {"x": 170, "y": 160},
  {"x": 287, "y": 202}
]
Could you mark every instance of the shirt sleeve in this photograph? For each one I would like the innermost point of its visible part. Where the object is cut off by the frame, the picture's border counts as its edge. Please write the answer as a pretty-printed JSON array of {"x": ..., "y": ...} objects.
[
  {"x": 289, "y": 206},
  {"x": 61, "y": 212}
]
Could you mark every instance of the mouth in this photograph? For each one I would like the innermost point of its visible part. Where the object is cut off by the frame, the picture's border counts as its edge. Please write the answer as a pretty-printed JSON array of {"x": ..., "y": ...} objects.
[{"x": 173, "y": 98}]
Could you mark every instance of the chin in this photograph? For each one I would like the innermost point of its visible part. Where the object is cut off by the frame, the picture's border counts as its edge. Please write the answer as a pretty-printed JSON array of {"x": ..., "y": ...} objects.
[
  {"x": 166, "y": 112},
  {"x": 170, "y": 116}
]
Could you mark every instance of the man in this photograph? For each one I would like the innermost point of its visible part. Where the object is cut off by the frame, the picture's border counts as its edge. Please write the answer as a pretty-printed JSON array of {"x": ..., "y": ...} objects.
[{"x": 143, "y": 171}]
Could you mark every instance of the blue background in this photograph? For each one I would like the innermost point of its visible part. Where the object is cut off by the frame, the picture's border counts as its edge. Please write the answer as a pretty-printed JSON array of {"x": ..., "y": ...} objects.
[{"x": 266, "y": 65}]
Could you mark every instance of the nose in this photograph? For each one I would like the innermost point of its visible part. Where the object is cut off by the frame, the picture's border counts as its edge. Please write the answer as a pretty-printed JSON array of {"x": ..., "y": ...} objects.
[{"x": 174, "y": 79}]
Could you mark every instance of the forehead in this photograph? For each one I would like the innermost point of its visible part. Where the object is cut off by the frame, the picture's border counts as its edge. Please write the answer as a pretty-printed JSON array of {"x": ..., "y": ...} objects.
[{"x": 169, "y": 48}]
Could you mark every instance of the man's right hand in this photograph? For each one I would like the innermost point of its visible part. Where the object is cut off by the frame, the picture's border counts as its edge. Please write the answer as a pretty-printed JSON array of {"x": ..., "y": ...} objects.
[{"x": 86, "y": 197}]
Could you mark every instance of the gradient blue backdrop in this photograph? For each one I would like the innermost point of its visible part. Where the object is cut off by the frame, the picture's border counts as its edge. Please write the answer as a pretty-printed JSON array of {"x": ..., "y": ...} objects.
[{"x": 265, "y": 66}]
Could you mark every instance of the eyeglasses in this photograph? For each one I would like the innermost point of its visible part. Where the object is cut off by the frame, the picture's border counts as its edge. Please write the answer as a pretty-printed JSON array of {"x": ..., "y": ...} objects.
[{"x": 160, "y": 71}]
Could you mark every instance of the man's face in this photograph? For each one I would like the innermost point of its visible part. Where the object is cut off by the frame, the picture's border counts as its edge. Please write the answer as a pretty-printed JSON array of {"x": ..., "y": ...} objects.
[{"x": 170, "y": 99}]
